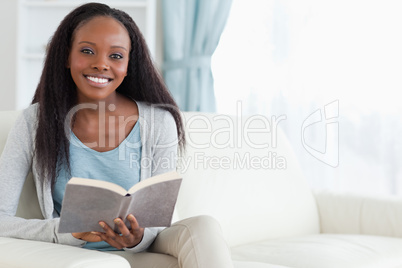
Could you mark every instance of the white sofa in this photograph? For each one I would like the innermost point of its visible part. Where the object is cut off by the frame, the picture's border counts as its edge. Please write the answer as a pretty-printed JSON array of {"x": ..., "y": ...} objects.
[{"x": 242, "y": 171}]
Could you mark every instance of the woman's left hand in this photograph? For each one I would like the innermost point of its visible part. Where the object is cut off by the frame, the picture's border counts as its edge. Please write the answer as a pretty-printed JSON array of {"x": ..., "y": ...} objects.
[{"x": 127, "y": 239}]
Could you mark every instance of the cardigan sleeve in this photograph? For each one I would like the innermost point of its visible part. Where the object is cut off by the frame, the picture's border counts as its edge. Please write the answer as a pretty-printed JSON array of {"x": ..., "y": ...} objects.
[
  {"x": 164, "y": 150},
  {"x": 15, "y": 163}
]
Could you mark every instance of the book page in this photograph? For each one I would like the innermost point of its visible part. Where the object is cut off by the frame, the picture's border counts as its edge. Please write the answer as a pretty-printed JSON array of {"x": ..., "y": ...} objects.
[
  {"x": 100, "y": 184},
  {"x": 155, "y": 179},
  {"x": 153, "y": 206},
  {"x": 84, "y": 206}
]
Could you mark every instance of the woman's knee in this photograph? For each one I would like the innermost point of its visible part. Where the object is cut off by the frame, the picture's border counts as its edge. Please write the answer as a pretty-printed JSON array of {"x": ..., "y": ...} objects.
[{"x": 197, "y": 222}]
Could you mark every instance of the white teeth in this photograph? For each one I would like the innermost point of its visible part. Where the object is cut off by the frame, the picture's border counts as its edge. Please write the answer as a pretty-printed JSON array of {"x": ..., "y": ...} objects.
[{"x": 97, "y": 80}]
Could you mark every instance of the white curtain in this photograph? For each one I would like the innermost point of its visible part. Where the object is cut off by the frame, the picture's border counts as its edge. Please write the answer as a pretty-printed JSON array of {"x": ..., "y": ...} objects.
[{"x": 334, "y": 69}]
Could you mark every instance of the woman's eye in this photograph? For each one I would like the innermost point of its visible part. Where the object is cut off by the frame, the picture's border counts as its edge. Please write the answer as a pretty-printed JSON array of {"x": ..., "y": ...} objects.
[
  {"x": 116, "y": 56},
  {"x": 87, "y": 51}
]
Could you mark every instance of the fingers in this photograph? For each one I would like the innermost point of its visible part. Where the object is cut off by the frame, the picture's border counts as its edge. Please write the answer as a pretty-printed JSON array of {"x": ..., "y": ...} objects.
[
  {"x": 110, "y": 236},
  {"x": 133, "y": 222},
  {"x": 93, "y": 237},
  {"x": 77, "y": 235},
  {"x": 88, "y": 236},
  {"x": 136, "y": 230},
  {"x": 127, "y": 238},
  {"x": 125, "y": 232}
]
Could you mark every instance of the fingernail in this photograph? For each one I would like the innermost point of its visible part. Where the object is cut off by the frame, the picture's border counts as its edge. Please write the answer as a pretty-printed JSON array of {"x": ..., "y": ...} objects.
[
  {"x": 102, "y": 224},
  {"x": 117, "y": 221},
  {"x": 130, "y": 217}
]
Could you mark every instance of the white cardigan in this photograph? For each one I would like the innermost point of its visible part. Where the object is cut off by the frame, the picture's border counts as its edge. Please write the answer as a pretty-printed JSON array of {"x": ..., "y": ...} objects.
[{"x": 159, "y": 143}]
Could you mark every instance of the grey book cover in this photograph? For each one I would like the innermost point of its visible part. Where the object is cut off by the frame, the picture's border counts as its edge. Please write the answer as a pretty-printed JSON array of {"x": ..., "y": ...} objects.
[{"x": 88, "y": 201}]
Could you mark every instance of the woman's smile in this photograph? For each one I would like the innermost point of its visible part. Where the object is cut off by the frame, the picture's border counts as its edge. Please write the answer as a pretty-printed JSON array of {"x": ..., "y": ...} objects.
[{"x": 97, "y": 80}]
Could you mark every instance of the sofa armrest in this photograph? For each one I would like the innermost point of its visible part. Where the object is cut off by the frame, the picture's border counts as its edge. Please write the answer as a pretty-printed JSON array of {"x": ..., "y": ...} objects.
[
  {"x": 17, "y": 253},
  {"x": 359, "y": 214}
]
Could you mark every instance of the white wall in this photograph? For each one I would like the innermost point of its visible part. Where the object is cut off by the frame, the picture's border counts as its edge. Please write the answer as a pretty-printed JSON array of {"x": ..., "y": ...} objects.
[{"x": 8, "y": 54}]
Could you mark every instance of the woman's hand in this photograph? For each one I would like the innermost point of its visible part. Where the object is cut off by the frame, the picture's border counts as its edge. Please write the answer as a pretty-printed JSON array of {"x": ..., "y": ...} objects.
[
  {"x": 127, "y": 239},
  {"x": 88, "y": 236}
]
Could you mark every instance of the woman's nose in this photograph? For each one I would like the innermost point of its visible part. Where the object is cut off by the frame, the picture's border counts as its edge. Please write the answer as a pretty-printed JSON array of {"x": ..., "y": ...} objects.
[{"x": 100, "y": 64}]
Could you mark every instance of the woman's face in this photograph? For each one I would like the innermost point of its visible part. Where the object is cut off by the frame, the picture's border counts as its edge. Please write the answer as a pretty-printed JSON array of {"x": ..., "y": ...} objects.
[{"x": 99, "y": 58}]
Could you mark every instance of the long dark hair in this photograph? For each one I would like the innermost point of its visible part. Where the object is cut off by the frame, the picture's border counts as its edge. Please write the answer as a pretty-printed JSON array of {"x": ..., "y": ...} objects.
[{"x": 56, "y": 92}]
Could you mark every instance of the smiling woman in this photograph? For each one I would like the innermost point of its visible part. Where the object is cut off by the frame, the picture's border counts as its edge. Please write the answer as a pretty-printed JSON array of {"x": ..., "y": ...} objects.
[{"x": 98, "y": 84}]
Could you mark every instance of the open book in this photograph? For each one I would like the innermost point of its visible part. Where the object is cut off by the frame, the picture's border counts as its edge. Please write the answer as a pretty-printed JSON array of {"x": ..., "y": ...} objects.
[{"x": 88, "y": 201}]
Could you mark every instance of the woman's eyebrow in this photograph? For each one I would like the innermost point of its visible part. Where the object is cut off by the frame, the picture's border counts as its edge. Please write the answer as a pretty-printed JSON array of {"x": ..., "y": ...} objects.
[
  {"x": 87, "y": 43},
  {"x": 91, "y": 43},
  {"x": 119, "y": 47}
]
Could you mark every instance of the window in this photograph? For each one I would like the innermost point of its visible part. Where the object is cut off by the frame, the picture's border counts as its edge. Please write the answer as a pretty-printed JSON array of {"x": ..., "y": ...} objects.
[{"x": 297, "y": 57}]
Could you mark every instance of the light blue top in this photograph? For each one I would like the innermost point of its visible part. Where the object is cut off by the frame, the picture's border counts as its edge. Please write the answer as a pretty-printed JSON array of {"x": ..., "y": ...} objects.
[{"x": 120, "y": 166}]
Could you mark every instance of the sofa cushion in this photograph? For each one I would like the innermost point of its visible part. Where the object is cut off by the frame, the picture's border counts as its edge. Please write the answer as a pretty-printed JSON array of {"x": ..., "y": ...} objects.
[
  {"x": 255, "y": 193},
  {"x": 18, "y": 253},
  {"x": 325, "y": 251}
]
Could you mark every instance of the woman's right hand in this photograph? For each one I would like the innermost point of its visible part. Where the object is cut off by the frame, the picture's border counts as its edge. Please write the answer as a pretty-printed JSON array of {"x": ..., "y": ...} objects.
[{"x": 87, "y": 236}]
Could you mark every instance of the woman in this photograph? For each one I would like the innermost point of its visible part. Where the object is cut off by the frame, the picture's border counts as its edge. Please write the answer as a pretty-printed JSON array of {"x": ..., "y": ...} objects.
[{"x": 100, "y": 111}]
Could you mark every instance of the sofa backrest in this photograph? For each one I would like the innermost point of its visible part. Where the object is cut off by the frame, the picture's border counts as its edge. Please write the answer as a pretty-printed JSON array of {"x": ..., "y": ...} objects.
[
  {"x": 243, "y": 172},
  {"x": 7, "y": 120}
]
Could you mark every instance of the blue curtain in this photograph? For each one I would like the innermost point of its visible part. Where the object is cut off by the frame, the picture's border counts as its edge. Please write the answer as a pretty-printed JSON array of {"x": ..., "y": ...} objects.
[{"x": 192, "y": 29}]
